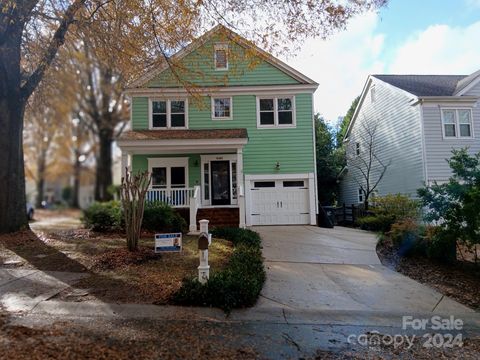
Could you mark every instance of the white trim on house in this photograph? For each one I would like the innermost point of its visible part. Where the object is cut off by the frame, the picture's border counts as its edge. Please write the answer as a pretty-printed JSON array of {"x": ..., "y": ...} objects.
[
  {"x": 276, "y": 124},
  {"x": 467, "y": 87},
  {"x": 456, "y": 123},
  {"x": 315, "y": 178},
  {"x": 168, "y": 163},
  {"x": 168, "y": 114},
  {"x": 448, "y": 99},
  {"x": 224, "y": 90},
  {"x": 424, "y": 146},
  {"x": 224, "y": 47},
  {"x": 169, "y": 144},
  {"x": 213, "y": 98}
]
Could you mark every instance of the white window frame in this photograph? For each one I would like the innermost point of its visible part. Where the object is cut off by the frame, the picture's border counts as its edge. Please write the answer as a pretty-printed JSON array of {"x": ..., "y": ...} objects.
[
  {"x": 213, "y": 108},
  {"x": 360, "y": 195},
  {"x": 276, "y": 125},
  {"x": 169, "y": 113},
  {"x": 168, "y": 163},
  {"x": 456, "y": 123},
  {"x": 220, "y": 47},
  {"x": 358, "y": 149}
]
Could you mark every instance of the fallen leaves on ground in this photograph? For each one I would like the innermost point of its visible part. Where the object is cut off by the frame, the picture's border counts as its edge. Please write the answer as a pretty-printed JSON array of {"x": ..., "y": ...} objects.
[
  {"x": 102, "y": 340},
  {"x": 123, "y": 257},
  {"x": 460, "y": 281}
]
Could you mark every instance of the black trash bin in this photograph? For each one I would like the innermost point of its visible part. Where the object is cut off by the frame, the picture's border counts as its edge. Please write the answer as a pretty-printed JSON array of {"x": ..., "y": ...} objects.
[{"x": 327, "y": 217}]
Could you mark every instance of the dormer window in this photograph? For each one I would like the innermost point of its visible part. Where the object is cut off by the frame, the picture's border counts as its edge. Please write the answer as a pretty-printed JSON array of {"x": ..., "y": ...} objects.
[{"x": 221, "y": 57}]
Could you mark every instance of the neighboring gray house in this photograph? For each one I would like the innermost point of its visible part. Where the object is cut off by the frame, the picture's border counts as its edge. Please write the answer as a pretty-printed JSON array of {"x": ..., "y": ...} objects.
[{"x": 418, "y": 120}]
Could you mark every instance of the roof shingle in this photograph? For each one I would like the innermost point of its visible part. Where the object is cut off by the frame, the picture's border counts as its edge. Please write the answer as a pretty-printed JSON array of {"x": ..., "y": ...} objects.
[
  {"x": 184, "y": 134},
  {"x": 424, "y": 85}
]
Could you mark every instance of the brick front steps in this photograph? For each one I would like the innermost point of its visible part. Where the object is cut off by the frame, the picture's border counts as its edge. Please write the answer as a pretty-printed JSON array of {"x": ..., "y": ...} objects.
[{"x": 219, "y": 217}]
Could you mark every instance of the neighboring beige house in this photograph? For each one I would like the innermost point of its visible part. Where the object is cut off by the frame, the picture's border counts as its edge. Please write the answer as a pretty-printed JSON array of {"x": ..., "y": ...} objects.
[{"x": 420, "y": 119}]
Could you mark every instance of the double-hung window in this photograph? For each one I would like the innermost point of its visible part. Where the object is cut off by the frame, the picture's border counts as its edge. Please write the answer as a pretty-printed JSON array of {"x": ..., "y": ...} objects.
[
  {"x": 457, "y": 123},
  {"x": 221, "y": 108},
  {"x": 276, "y": 111},
  {"x": 168, "y": 114}
]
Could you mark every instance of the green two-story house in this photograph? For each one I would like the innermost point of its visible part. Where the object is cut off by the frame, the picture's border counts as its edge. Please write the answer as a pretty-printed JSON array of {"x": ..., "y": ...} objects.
[{"x": 227, "y": 132}]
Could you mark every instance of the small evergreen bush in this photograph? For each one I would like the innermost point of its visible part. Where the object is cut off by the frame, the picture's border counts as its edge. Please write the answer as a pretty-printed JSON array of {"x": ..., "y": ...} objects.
[
  {"x": 236, "y": 286},
  {"x": 158, "y": 216},
  {"x": 104, "y": 216}
]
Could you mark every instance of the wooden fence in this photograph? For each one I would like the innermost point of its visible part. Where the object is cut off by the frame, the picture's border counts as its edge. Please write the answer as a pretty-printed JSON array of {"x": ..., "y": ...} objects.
[{"x": 348, "y": 214}]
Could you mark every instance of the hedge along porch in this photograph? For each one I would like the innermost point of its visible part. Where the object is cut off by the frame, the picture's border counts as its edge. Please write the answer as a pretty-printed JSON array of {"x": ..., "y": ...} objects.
[{"x": 190, "y": 168}]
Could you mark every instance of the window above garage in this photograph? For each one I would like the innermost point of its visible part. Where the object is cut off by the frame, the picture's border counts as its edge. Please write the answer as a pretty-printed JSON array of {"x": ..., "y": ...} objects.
[{"x": 276, "y": 112}]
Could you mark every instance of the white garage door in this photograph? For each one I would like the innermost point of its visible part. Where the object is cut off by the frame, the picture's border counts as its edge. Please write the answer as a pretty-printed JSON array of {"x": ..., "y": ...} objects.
[{"x": 280, "y": 202}]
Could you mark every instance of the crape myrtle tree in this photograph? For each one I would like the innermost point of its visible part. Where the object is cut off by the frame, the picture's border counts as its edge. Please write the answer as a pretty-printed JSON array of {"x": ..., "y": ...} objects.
[
  {"x": 363, "y": 158},
  {"x": 32, "y": 32}
]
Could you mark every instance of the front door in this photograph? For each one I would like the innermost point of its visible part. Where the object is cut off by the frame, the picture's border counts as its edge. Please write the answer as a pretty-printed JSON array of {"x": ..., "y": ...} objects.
[{"x": 220, "y": 179}]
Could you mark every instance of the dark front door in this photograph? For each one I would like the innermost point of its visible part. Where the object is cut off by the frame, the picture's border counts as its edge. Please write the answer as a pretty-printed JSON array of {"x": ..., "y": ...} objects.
[{"x": 220, "y": 182}]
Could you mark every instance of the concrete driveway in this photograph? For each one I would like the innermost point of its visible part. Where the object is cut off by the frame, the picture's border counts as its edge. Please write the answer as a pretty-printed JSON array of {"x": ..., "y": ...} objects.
[{"x": 316, "y": 269}]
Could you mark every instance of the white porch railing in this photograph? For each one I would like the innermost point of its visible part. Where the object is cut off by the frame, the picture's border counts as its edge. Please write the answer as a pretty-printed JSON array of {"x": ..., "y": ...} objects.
[
  {"x": 174, "y": 197},
  {"x": 195, "y": 203}
]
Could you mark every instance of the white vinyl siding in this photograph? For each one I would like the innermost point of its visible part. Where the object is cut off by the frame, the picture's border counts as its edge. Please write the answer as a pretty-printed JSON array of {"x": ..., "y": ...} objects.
[
  {"x": 439, "y": 148},
  {"x": 398, "y": 139}
]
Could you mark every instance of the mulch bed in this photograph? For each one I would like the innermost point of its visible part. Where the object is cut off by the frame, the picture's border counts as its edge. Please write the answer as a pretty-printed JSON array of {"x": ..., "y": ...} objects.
[
  {"x": 460, "y": 281},
  {"x": 121, "y": 257}
]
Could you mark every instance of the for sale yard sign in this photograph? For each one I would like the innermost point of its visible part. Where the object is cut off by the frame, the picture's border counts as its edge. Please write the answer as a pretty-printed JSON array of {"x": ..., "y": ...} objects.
[{"x": 171, "y": 242}]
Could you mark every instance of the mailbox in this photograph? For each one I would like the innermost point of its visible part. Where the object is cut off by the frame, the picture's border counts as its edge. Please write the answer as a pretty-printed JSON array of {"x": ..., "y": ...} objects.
[{"x": 203, "y": 241}]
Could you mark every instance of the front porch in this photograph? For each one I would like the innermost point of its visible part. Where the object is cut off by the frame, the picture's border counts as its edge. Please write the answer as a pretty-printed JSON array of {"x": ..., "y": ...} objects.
[{"x": 193, "y": 174}]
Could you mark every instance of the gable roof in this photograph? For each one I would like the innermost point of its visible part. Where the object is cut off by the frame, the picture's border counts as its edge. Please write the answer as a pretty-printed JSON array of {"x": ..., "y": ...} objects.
[
  {"x": 467, "y": 81},
  {"x": 425, "y": 85},
  {"x": 234, "y": 37}
]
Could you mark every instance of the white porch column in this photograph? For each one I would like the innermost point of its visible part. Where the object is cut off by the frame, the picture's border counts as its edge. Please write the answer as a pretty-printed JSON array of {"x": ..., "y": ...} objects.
[
  {"x": 240, "y": 188},
  {"x": 125, "y": 162}
]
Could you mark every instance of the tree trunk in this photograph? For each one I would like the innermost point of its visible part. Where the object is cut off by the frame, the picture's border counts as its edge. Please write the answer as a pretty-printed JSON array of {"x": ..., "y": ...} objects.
[
  {"x": 104, "y": 176},
  {"x": 12, "y": 108},
  {"x": 41, "y": 165},
  {"x": 76, "y": 181}
]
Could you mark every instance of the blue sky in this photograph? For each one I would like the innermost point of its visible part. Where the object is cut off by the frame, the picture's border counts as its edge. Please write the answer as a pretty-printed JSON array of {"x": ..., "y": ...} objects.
[{"x": 407, "y": 36}]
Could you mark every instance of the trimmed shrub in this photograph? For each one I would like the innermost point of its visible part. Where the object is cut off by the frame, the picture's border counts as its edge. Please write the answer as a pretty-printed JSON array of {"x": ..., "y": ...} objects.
[
  {"x": 441, "y": 246},
  {"x": 105, "y": 216},
  {"x": 381, "y": 223},
  {"x": 398, "y": 206},
  {"x": 387, "y": 210},
  {"x": 158, "y": 216},
  {"x": 236, "y": 286},
  {"x": 238, "y": 236},
  {"x": 406, "y": 236}
]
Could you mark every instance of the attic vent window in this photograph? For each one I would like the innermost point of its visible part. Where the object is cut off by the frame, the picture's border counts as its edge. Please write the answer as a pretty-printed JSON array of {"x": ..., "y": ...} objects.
[
  {"x": 221, "y": 57},
  {"x": 372, "y": 94}
]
